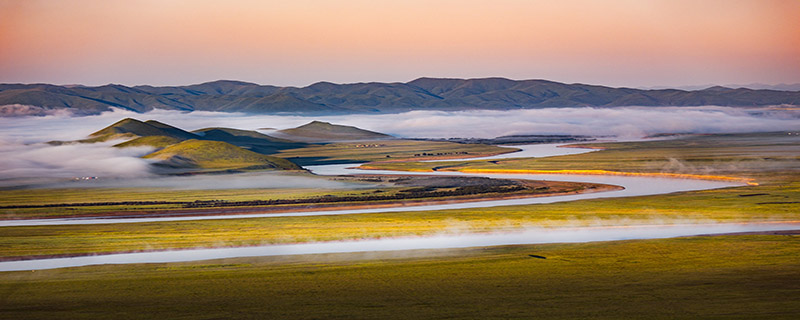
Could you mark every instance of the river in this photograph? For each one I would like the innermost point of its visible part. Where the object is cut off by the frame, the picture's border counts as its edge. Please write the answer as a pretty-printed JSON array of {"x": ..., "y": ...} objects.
[
  {"x": 634, "y": 186},
  {"x": 528, "y": 236}
]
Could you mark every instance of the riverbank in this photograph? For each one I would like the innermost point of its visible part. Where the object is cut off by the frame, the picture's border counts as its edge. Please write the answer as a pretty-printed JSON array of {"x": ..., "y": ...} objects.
[
  {"x": 443, "y": 241},
  {"x": 535, "y": 189},
  {"x": 748, "y": 277}
]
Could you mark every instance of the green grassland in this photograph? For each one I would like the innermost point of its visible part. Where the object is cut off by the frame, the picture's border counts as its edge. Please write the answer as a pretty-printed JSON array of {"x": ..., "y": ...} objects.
[
  {"x": 132, "y": 128},
  {"x": 324, "y": 131},
  {"x": 38, "y": 197},
  {"x": 763, "y": 156},
  {"x": 741, "y": 276},
  {"x": 217, "y": 155},
  {"x": 76, "y": 195},
  {"x": 728, "y": 277},
  {"x": 158, "y": 142},
  {"x": 776, "y": 203},
  {"x": 353, "y": 190},
  {"x": 386, "y": 150},
  {"x": 775, "y": 199}
]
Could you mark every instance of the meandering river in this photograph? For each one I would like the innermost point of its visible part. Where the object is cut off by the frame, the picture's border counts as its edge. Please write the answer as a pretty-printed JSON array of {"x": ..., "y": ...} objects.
[
  {"x": 634, "y": 186},
  {"x": 529, "y": 236}
]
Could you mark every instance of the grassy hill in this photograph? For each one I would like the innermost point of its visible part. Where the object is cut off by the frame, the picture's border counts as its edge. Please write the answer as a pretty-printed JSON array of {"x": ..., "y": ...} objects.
[
  {"x": 250, "y": 140},
  {"x": 158, "y": 142},
  {"x": 318, "y": 131},
  {"x": 216, "y": 155},
  {"x": 129, "y": 128}
]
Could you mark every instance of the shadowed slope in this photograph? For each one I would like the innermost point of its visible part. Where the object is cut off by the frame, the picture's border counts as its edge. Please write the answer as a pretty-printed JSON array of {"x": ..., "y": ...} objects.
[
  {"x": 216, "y": 155},
  {"x": 372, "y": 97},
  {"x": 251, "y": 140}
]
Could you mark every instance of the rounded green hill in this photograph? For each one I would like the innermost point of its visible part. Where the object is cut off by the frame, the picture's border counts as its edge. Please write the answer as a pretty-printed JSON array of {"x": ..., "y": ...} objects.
[{"x": 216, "y": 155}]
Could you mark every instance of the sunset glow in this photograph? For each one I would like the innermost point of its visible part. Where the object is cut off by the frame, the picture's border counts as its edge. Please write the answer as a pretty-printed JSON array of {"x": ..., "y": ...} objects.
[
  {"x": 748, "y": 181},
  {"x": 618, "y": 43}
]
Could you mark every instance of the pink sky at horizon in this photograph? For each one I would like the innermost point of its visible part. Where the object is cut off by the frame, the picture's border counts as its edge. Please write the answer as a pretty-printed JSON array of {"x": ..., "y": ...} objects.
[{"x": 617, "y": 43}]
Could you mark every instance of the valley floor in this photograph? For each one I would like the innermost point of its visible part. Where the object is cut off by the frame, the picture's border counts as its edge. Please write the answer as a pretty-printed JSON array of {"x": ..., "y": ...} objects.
[
  {"x": 724, "y": 277},
  {"x": 744, "y": 276}
]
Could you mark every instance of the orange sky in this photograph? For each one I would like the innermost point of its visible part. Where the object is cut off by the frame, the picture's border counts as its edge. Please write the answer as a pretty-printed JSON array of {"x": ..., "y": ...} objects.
[{"x": 619, "y": 43}]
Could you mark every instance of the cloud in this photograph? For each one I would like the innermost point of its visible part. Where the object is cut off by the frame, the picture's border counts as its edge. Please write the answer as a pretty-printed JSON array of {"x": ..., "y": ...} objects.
[
  {"x": 21, "y": 110},
  {"x": 629, "y": 122},
  {"x": 621, "y": 122},
  {"x": 24, "y": 155},
  {"x": 38, "y": 162}
]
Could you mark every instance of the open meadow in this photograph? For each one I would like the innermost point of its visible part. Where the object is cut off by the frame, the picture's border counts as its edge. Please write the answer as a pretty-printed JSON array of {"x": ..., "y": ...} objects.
[
  {"x": 723, "y": 277},
  {"x": 774, "y": 199},
  {"x": 735, "y": 276}
]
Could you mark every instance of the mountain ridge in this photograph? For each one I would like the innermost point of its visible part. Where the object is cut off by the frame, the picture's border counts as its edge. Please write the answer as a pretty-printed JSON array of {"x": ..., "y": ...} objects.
[{"x": 446, "y": 94}]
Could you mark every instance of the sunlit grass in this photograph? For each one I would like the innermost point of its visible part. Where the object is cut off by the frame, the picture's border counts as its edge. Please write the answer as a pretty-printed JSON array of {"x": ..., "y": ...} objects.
[
  {"x": 745, "y": 277},
  {"x": 775, "y": 199},
  {"x": 771, "y": 202},
  {"x": 763, "y": 157},
  {"x": 389, "y": 150}
]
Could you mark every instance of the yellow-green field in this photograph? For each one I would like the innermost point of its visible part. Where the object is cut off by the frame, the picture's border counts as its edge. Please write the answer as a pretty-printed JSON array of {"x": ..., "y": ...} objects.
[
  {"x": 731, "y": 277},
  {"x": 725, "y": 205},
  {"x": 387, "y": 150},
  {"x": 763, "y": 156},
  {"x": 368, "y": 190},
  {"x": 741, "y": 276}
]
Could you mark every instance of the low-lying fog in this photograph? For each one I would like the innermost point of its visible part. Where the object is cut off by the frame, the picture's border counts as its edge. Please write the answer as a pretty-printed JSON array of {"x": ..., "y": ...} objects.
[
  {"x": 396, "y": 245},
  {"x": 24, "y": 155}
]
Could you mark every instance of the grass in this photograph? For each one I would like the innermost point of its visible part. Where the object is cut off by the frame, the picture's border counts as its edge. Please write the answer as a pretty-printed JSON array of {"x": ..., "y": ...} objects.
[
  {"x": 763, "y": 156},
  {"x": 324, "y": 131},
  {"x": 742, "y": 276},
  {"x": 88, "y": 195},
  {"x": 386, "y": 150},
  {"x": 730, "y": 277},
  {"x": 217, "y": 155},
  {"x": 776, "y": 202},
  {"x": 361, "y": 190},
  {"x": 159, "y": 142},
  {"x": 774, "y": 199}
]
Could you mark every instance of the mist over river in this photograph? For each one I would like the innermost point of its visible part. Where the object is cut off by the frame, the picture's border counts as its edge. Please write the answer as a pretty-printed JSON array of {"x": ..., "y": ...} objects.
[{"x": 528, "y": 236}]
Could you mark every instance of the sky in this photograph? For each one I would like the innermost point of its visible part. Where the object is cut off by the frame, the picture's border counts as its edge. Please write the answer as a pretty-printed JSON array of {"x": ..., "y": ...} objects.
[{"x": 634, "y": 43}]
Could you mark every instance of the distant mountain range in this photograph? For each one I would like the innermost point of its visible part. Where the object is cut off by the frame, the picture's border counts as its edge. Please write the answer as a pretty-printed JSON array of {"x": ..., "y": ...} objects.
[
  {"x": 754, "y": 86},
  {"x": 329, "y": 98}
]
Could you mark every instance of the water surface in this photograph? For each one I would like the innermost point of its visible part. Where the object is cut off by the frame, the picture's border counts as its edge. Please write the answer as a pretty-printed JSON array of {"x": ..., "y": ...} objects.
[{"x": 529, "y": 236}]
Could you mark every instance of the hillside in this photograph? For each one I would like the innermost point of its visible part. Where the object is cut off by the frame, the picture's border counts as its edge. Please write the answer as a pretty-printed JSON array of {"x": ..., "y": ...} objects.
[
  {"x": 158, "y": 142},
  {"x": 251, "y": 140},
  {"x": 129, "y": 128},
  {"x": 216, "y": 155},
  {"x": 373, "y": 97},
  {"x": 318, "y": 131}
]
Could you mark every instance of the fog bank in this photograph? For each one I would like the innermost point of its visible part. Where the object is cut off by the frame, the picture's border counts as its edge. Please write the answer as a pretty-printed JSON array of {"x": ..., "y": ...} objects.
[
  {"x": 25, "y": 156},
  {"x": 36, "y": 163},
  {"x": 629, "y": 122}
]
